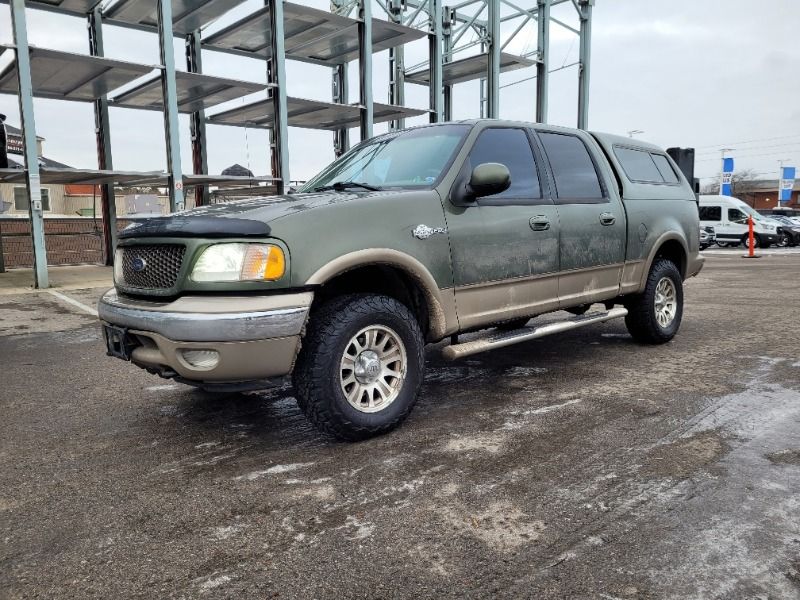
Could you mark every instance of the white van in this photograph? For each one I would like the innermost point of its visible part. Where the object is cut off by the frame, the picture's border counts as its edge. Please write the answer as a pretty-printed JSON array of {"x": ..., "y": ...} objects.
[{"x": 728, "y": 216}]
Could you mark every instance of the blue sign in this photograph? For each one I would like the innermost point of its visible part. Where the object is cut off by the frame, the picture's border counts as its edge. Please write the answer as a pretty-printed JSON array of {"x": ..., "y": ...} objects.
[
  {"x": 727, "y": 177},
  {"x": 787, "y": 184}
]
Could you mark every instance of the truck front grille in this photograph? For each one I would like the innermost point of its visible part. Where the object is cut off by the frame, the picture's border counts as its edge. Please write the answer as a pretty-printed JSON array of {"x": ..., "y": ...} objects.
[{"x": 152, "y": 267}]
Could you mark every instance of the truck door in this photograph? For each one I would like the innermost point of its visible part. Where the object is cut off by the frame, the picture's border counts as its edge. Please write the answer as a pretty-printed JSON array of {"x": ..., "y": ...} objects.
[
  {"x": 504, "y": 247},
  {"x": 592, "y": 218}
]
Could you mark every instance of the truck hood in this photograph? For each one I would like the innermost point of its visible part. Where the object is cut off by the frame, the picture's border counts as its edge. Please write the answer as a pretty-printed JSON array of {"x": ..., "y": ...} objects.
[{"x": 250, "y": 217}]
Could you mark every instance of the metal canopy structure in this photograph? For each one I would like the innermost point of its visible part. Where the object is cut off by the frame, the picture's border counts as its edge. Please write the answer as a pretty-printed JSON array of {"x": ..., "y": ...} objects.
[
  {"x": 470, "y": 68},
  {"x": 67, "y": 76},
  {"x": 310, "y": 35},
  {"x": 195, "y": 92},
  {"x": 467, "y": 40},
  {"x": 309, "y": 114},
  {"x": 187, "y": 15}
]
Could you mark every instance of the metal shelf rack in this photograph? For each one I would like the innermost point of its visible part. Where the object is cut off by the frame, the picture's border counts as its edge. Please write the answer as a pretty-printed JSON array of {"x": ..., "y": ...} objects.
[{"x": 278, "y": 31}]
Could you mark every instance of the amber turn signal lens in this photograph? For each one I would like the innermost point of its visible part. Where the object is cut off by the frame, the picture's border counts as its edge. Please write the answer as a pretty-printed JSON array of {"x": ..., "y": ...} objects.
[{"x": 263, "y": 262}]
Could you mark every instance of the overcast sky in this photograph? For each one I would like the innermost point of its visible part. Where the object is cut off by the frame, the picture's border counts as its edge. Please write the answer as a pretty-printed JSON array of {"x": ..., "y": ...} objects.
[{"x": 710, "y": 74}]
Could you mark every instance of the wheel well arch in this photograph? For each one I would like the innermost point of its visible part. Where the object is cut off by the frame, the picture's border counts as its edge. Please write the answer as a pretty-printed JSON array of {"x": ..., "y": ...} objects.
[
  {"x": 405, "y": 280},
  {"x": 673, "y": 250}
]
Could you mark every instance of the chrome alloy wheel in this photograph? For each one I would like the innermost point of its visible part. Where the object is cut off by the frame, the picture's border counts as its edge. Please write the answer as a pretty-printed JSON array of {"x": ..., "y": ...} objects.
[
  {"x": 373, "y": 368},
  {"x": 666, "y": 303}
]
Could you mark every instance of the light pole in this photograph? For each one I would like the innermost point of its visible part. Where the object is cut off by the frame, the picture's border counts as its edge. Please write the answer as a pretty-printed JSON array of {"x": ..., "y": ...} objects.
[{"x": 634, "y": 132}]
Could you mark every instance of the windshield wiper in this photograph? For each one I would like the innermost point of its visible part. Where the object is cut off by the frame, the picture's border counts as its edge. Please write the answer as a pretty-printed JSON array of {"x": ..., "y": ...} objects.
[{"x": 340, "y": 186}]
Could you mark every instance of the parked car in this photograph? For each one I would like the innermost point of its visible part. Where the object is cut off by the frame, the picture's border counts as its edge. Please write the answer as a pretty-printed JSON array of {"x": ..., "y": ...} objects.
[
  {"x": 789, "y": 230},
  {"x": 729, "y": 217},
  {"x": 409, "y": 238},
  {"x": 708, "y": 237}
]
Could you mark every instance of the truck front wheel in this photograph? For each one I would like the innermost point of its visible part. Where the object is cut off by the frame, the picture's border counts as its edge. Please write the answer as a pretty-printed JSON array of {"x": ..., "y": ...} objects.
[
  {"x": 361, "y": 366},
  {"x": 654, "y": 316}
]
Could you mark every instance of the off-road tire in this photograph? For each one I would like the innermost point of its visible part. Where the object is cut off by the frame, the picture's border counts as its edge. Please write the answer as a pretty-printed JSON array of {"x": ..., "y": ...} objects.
[
  {"x": 641, "y": 318},
  {"x": 316, "y": 375}
]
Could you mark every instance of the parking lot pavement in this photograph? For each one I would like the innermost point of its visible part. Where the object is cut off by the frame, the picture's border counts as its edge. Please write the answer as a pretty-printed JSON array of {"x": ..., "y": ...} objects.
[{"x": 578, "y": 466}]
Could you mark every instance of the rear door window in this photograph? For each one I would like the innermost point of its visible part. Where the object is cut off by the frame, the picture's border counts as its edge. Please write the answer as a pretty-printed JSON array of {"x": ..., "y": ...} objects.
[{"x": 574, "y": 172}]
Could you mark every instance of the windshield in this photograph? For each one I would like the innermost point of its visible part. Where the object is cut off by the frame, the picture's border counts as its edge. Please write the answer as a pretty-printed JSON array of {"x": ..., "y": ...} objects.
[{"x": 409, "y": 159}]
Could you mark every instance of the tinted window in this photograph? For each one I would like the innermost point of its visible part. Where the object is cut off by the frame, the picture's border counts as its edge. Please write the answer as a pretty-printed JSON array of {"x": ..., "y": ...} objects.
[
  {"x": 509, "y": 147},
  {"x": 710, "y": 213},
  {"x": 638, "y": 165},
  {"x": 665, "y": 168},
  {"x": 573, "y": 169},
  {"x": 736, "y": 216}
]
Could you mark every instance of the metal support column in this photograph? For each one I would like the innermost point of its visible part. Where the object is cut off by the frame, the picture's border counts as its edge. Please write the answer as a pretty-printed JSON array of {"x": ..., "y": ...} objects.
[
  {"x": 397, "y": 73},
  {"x": 584, "y": 68},
  {"x": 493, "y": 67},
  {"x": 435, "y": 56},
  {"x": 447, "y": 56},
  {"x": 20, "y": 31},
  {"x": 543, "y": 47},
  {"x": 276, "y": 75},
  {"x": 341, "y": 137},
  {"x": 170, "y": 95},
  {"x": 194, "y": 64},
  {"x": 102, "y": 130},
  {"x": 365, "y": 67}
]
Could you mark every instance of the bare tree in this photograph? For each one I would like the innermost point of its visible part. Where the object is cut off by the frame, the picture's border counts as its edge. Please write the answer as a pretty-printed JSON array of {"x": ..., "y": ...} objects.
[{"x": 745, "y": 176}]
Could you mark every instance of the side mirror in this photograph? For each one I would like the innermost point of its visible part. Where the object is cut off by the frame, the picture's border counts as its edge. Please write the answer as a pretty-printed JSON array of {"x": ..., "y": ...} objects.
[{"x": 489, "y": 179}]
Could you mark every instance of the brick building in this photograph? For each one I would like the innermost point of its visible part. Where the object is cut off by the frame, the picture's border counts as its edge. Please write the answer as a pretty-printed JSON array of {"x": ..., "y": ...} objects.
[{"x": 763, "y": 194}]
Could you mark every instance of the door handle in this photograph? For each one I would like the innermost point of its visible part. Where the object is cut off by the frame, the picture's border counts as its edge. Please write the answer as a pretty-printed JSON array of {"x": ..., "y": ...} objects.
[
  {"x": 539, "y": 223},
  {"x": 607, "y": 219}
]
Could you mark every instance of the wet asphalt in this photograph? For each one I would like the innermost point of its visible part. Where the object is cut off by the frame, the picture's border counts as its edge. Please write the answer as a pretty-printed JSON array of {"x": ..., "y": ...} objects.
[{"x": 577, "y": 466}]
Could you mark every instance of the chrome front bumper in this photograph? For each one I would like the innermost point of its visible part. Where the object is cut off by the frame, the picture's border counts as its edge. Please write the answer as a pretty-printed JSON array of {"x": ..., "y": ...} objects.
[
  {"x": 210, "y": 318},
  {"x": 253, "y": 337}
]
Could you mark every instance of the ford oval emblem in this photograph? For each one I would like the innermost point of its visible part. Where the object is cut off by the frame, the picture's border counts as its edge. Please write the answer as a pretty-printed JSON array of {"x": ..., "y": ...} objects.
[{"x": 138, "y": 264}]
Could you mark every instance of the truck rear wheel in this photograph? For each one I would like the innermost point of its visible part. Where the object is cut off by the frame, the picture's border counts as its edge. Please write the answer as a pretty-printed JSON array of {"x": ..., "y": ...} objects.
[
  {"x": 361, "y": 365},
  {"x": 654, "y": 316}
]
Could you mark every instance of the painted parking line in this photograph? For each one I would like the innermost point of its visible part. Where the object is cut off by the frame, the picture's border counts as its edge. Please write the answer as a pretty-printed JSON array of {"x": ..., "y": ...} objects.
[{"x": 84, "y": 307}]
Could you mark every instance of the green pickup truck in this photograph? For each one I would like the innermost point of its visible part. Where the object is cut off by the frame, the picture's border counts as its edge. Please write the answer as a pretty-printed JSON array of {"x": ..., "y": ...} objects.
[{"x": 409, "y": 238}]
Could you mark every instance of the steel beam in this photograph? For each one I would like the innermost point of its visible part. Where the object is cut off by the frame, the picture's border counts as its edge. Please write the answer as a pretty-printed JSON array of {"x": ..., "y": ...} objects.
[
  {"x": 340, "y": 91},
  {"x": 584, "y": 68},
  {"x": 169, "y": 91},
  {"x": 543, "y": 51},
  {"x": 365, "y": 67},
  {"x": 447, "y": 55},
  {"x": 32, "y": 182},
  {"x": 397, "y": 74},
  {"x": 493, "y": 66},
  {"x": 341, "y": 137},
  {"x": 197, "y": 120},
  {"x": 102, "y": 131},
  {"x": 276, "y": 75},
  {"x": 435, "y": 55}
]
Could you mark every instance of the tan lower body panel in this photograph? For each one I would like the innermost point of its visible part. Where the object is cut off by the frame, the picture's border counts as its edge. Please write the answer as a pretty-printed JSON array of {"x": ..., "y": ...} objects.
[
  {"x": 632, "y": 277},
  {"x": 588, "y": 285},
  {"x": 503, "y": 300},
  {"x": 238, "y": 361}
]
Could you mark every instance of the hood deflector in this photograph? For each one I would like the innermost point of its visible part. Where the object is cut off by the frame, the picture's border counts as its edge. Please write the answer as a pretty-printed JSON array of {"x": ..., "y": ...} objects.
[{"x": 186, "y": 226}]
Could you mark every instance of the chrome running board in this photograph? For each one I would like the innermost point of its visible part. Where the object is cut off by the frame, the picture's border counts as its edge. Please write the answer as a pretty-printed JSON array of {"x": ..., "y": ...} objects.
[{"x": 507, "y": 338}]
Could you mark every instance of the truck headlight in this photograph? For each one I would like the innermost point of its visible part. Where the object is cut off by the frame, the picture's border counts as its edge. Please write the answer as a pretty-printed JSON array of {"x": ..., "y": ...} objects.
[{"x": 239, "y": 262}]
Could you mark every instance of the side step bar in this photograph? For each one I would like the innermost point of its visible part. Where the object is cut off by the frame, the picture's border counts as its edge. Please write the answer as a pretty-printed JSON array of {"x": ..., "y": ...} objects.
[{"x": 507, "y": 338}]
